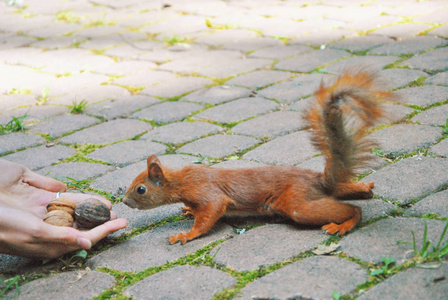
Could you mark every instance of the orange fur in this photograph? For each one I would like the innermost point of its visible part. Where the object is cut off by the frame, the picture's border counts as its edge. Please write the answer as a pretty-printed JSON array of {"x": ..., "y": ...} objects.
[{"x": 338, "y": 122}]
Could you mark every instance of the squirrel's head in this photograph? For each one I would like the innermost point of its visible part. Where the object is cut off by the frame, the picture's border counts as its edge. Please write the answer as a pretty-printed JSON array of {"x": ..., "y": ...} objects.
[{"x": 147, "y": 189}]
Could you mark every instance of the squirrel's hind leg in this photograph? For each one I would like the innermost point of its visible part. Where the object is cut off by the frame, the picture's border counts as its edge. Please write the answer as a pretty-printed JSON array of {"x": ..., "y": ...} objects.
[{"x": 354, "y": 190}]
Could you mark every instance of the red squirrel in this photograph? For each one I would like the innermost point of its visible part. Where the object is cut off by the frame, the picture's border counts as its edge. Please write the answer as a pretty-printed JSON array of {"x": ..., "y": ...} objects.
[{"x": 338, "y": 121}]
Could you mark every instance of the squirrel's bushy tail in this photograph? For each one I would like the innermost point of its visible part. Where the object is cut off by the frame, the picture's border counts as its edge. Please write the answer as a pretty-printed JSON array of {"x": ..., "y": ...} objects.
[{"x": 339, "y": 119}]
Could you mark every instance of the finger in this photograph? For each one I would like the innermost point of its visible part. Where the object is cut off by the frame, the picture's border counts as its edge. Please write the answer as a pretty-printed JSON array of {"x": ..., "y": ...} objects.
[
  {"x": 99, "y": 232},
  {"x": 42, "y": 182},
  {"x": 78, "y": 198}
]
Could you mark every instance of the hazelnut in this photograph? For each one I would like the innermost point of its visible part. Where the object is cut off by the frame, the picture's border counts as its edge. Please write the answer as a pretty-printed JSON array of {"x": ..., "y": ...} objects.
[
  {"x": 59, "y": 218},
  {"x": 91, "y": 213},
  {"x": 62, "y": 203}
]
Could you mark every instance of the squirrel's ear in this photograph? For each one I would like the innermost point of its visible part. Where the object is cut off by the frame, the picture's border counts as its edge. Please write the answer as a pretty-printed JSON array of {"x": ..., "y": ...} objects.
[
  {"x": 155, "y": 173},
  {"x": 153, "y": 159}
]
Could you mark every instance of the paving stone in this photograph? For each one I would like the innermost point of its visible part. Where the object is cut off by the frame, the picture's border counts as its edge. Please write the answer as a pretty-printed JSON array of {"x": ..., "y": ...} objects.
[
  {"x": 139, "y": 218},
  {"x": 416, "y": 282},
  {"x": 55, "y": 30},
  {"x": 14, "y": 141},
  {"x": 35, "y": 112},
  {"x": 135, "y": 254},
  {"x": 436, "y": 116},
  {"x": 127, "y": 67},
  {"x": 432, "y": 60},
  {"x": 302, "y": 280},
  {"x": 99, "y": 43},
  {"x": 414, "y": 9},
  {"x": 181, "y": 132},
  {"x": 441, "y": 31},
  {"x": 271, "y": 125},
  {"x": 374, "y": 208},
  {"x": 177, "y": 52},
  {"x": 237, "y": 110},
  {"x": 143, "y": 18},
  {"x": 91, "y": 95},
  {"x": 438, "y": 16},
  {"x": 252, "y": 44},
  {"x": 107, "y": 132},
  {"x": 243, "y": 252},
  {"x": 183, "y": 283},
  {"x": 258, "y": 79},
  {"x": 218, "y": 145},
  {"x": 324, "y": 38},
  {"x": 409, "y": 45},
  {"x": 120, "y": 107},
  {"x": 423, "y": 95},
  {"x": 238, "y": 164},
  {"x": 379, "y": 239},
  {"x": 406, "y": 138},
  {"x": 22, "y": 78},
  {"x": 15, "y": 41},
  {"x": 288, "y": 150},
  {"x": 9, "y": 102},
  {"x": 438, "y": 79},
  {"x": 440, "y": 149},
  {"x": 57, "y": 42},
  {"x": 187, "y": 26},
  {"x": 60, "y": 125},
  {"x": 127, "y": 152},
  {"x": 223, "y": 37},
  {"x": 280, "y": 52},
  {"x": 168, "y": 111},
  {"x": 39, "y": 157},
  {"x": 361, "y": 43},
  {"x": 410, "y": 178},
  {"x": 371, "y": 23},
  {"x": 216, "y": 94},
  {"x": 434, "y": 204},
  {"x": 395, "y": 113},
  {"x": 224, "y": 69},
  {"x": 375, "y": 63},
  {"x": 311, "y": 61},
  {"x": 401, "y": 30},
  {"x": 400, "y": 77},
  {"x": 75, "y": 170},
  {"x": 69, "y": 285},
  {"x": 176, "y": 87},
  {"x": 128, "y": 51}
]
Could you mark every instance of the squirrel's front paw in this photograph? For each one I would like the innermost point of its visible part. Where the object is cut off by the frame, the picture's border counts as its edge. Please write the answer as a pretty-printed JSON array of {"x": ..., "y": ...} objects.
[
  {"x": 187, "y": 211},
  {"x": 182, "y": 237}
]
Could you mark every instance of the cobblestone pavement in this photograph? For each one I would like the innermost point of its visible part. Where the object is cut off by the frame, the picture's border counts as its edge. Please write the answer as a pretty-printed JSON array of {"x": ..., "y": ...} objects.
[{"x": 224, "y": 83}]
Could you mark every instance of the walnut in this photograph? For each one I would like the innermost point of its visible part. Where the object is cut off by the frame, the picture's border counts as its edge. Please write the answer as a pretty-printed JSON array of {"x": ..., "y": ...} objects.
[
  {"x": 59, "y": 218},
  {"x": 62, "y": 203},
  {"x": 91, "y": 213}
]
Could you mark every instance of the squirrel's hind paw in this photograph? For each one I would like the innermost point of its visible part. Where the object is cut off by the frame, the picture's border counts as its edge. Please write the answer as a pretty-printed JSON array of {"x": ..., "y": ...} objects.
[{"x": 333, "y": 228}]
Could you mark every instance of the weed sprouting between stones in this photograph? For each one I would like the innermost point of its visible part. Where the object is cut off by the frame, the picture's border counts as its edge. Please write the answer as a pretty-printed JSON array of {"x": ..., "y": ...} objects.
[{"x": 16, "y": 124}]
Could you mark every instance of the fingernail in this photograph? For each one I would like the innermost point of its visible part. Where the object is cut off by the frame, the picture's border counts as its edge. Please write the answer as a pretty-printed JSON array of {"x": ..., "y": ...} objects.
[{"x": 84, "y": 243}]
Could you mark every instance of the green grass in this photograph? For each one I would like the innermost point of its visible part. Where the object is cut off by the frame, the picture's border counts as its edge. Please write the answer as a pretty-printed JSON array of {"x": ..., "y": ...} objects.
[
  {"x": 16, "y": 124},
  {"x": 77, "y": 108}
]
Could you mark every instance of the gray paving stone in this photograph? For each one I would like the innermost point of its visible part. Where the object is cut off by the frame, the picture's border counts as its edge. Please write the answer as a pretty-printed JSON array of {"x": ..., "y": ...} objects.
[
  {"x": 410, "y": 178},
  {"x": 139, "y": 218},
  {"x": 311, "y": 61},
  {"x": 375, "y": 63},
  {"x": 271, "y": 125},
  {"x": 107, "y": 132},
  {"x": 237, "y": 164},
  {"x": 258, "y": 79},
  {"x": 223, "y": 37},
  {"x": 218, "y": 145},
  {"x": 438, "y": 79},
  {"x": 176, "y": 87},
  {"x": 361, "y": 43},
  {"x": 414, "y": 9},
  {"x": 401, "y": 30},
  {"x": 216, "y": 94},
  {"x": 437, "y": 16},
  {"x": 399, "y": 77},
  {"x": 35, "y": 112},
  {"x": 409, "y": 45},
  {"x": 181, "y": 132},
  {"x": 395, "y": 113},
  {"x": 127, "y": 152},
  {"x": 15, "y": 141},
  {"x": 371, "y": 23},
  {"x": 289, "y": 150},
  {"x": 416, "y": 282},
  {"x": 302, "y": 280},
  {"x": 379, "y": 239},
  {"x": 55, "y": 30},
  {"x": 168, "y": 111},
  {"x": 432, "y": 60},
  {"x": 144, "y": 78},
  {"x": 75, "y": 170},
  {"x": 188, "y": 26},
  {"x": 324, "y": 38},
  {"x": 423, "y": 95},
  {"x": 252, "y": 44},
  {"x": 440, "y": 149},
  {"x": 128, "y": 51},
  {"x": 8, "y": 102},
  {"x": 436, "y": 116},
  {"x": 178, "y": 52},
  {"x": 57, "y": 42},
  {"x": 185, "y": 282},
  {"x": 63, "y": 124},
  {"x": 15, "y": 41},
  {"x": 127, "y": 67},
  {"x": 135, "y": 254},
  {"x": 374, "y": 208},
  {"x": 243, "y": 252},
  {"x": 120, "y": 107},
  {"x": 436, "y": 204},
  {"x": 294, "y": 89},
  {"x": 406, "y": 138},
  {"x": 280, "y": 52},
  {"x": 39, "y": 157},
  {"x": 69, "y": 285},
  {"x": 224, "y": 69},
  {"x": 91, "y": 95},
  {"x": 237, "y": 110},
  {"x": 441, "y": 31}
]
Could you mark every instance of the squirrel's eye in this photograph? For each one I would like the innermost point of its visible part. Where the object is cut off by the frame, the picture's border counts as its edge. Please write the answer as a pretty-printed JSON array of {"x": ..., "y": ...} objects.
[{"x": 141, "y": 190}]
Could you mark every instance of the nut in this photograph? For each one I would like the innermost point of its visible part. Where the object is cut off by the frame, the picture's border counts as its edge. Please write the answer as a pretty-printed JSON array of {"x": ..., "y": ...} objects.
[
  {"x": 91, "y": 213},
  {"x": 62, "y": 203},
  {"x": 59, "y": 218}
]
